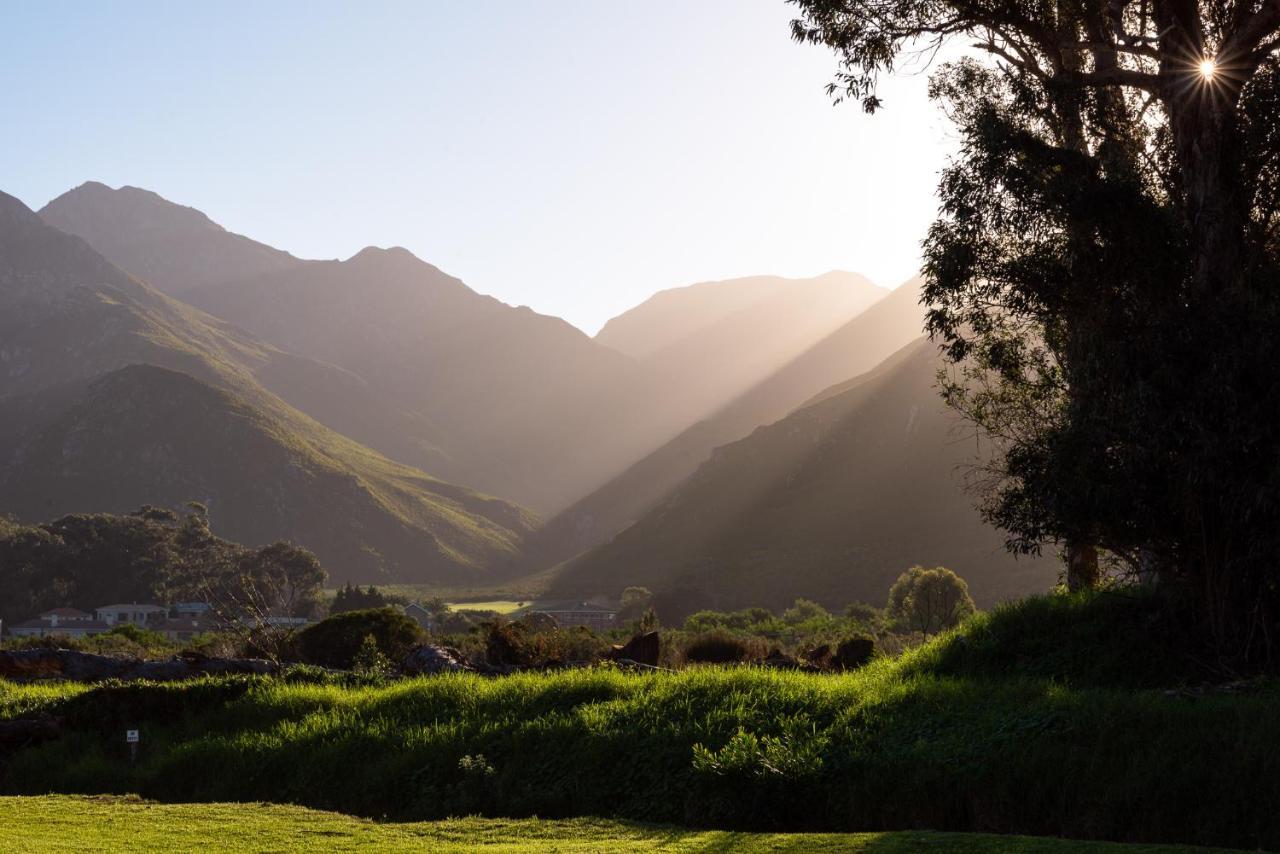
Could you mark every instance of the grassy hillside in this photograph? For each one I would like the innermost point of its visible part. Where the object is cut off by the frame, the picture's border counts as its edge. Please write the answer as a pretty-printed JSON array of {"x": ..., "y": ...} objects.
[
  {"x": 61, "y": 824},
  {"x": 903, "y": 743},
  {"x": 85, "y": 431},
  {"x": 856, "y": 347},
  {"x": 838, "y": 498},
  {"x": 476, "y": 391}
]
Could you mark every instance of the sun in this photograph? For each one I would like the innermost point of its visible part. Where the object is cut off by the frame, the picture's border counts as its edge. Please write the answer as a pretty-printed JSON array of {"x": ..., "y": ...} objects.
[{"x": 1208, "y": 68}]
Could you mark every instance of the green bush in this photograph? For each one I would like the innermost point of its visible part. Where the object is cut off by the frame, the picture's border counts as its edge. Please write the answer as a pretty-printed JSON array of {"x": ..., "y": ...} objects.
[
  {"x": 525, "y": 643},
  {"x": 721, "y": 647},
  {"x": 335, "y": 641}
]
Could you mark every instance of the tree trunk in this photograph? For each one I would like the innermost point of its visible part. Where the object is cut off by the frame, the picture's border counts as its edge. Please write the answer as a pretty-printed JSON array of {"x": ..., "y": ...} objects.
[
  {"x": 1206, "y": 138},
  {"x": 1082, "y": 567}
]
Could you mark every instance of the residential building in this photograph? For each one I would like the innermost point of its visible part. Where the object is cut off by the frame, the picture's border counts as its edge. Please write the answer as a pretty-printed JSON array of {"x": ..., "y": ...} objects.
[
  {"x": 62, "y": 622},
  {"x": 143, "y": 616},
  {"x": 419, "y": 615},
  {"x": 184, "y": 628},
  {"x": 569, "y": 614}
]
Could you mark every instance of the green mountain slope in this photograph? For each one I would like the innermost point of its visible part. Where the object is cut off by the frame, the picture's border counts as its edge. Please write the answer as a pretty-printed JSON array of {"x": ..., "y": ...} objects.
[
  {"x": 513, "y": 402},
  {"x": 68, "y": 318},
  {"x": 855, "y": 347},
  {"x": 476, "y": 391},
  {"x": 831, "y": 502}
]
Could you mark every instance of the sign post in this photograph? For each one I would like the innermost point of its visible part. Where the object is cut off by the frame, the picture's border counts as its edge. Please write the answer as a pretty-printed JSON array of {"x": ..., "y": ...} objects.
[{"x": 131, "y": 736}]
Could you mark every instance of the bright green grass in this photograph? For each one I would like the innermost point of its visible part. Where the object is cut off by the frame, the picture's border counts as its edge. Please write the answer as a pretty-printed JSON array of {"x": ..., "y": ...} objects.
[
  {"x": 499, "y": 605},
  {"x": 1007, "y": 730},
  {"x": 49, "y": 825}
]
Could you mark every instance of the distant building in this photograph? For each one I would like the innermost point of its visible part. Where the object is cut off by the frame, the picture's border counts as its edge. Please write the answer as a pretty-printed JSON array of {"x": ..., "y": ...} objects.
[
  {"x": 142, "y": 616},
  {"x": 569, "y": 614},
  {"x": 184, "y": 628},
  {"x": 63, "y": 622},
  {"x": 190, "y": 609},
  {"x": 419, "y": 615}
]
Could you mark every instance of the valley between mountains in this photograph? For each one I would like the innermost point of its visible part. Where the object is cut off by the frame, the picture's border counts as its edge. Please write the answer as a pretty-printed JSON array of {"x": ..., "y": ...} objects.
[{"x": 410, "y": 430}]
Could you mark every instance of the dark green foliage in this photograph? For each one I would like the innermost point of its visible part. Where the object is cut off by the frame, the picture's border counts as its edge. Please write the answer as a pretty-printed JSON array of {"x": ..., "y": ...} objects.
[
  {"x": 1103, "y": 277},
  {"x": 337, "y": 640},
  {"x": 929, "y": 600},
  {"x": 125, "y": 640},
  {"x": 89, "y": 560},
  {"x": 528, "y": 643},
  {"x": 369, "y": 659},
  {"x": 352, "y": 598},
  {"x": 1124, "y": 637},
  {"x": 853, "y": 653},
  {"x": 720, "y": 647}
]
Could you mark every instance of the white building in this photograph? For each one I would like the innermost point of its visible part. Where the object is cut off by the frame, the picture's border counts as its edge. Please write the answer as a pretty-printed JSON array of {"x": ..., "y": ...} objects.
[{"x": 142, "y": 616}]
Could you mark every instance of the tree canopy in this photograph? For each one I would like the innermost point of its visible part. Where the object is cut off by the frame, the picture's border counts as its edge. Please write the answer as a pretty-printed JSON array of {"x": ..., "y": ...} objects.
[
  {"x": 154, "y": 554},
  {"x": 1102, "y": 275}
]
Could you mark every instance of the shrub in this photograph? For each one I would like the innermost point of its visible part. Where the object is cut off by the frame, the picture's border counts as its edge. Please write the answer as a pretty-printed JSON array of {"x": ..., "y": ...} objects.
[
  {"x": 930, "y": 600},
  {"x": 853, "y": 653},
  {"x": 335, "y": 642},
  {"x": 804, "y": 610},
  {"x": 523, "y": 644},
  {"x": 720, "y": 647}
]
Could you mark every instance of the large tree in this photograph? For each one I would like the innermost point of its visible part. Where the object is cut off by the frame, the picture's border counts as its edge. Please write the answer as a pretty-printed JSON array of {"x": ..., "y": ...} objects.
[{"x": 1102, "y": 274}]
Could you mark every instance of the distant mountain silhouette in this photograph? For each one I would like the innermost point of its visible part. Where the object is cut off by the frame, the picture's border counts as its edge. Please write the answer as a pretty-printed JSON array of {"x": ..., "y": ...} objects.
[
  {"x": 172, "y": 248},
  {"x": 855, "y": 347},
  {"x": 712, "y": 341},
  {"x": 832, "y": 502},
  {"x": 512, "y": 402},
  {"x": 86, "y": 427}
]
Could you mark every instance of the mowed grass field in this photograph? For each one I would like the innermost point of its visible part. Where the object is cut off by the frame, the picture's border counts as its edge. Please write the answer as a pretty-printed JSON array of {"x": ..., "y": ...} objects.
[
  {"x": 55, "y": 824},
  {"x": 502, "y": 606}
]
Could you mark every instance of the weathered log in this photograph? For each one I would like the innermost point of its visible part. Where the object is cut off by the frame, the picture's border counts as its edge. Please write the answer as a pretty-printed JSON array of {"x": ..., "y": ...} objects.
[{"x": 27, "y": 665}]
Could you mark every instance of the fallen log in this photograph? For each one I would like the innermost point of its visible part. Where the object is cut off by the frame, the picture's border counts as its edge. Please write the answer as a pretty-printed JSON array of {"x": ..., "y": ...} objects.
[{"x": 29, "y": 665}]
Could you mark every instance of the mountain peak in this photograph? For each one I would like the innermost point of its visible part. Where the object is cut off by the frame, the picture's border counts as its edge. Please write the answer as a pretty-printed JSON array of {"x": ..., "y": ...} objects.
[
  {"x": 377, "y": 253},
  {"x": 171, "y": 246}
]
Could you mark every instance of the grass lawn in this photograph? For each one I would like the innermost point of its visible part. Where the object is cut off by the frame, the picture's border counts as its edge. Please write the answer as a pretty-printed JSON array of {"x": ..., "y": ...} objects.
[
  {"x": 74, "y": 824},
  {"x": 502, "y": 606}
]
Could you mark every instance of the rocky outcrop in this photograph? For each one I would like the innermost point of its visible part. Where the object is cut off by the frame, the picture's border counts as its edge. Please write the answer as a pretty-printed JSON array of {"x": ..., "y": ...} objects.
[
  {"x": 641, "y": 649},
  {"x": 430, "y": 659}
]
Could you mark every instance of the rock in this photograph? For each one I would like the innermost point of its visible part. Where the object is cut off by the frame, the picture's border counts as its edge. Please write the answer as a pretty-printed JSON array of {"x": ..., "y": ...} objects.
[
  {"x": 538, "y": 622},
  {"x": 429, "y": 659},
  {"x": 853, "y": 653},
  {"x": 819, "y": 656},
  {"x": 642, "y": 649},
  {"x": 780, "y": 660}
]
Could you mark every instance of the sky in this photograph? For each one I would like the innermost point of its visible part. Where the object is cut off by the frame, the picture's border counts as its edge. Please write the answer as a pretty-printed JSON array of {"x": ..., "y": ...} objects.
[{"x": 571, "y": 155}]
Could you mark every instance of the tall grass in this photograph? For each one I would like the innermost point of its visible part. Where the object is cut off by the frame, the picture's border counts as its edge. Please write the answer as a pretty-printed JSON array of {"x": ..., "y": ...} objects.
[{"x": 902, "y": 743}]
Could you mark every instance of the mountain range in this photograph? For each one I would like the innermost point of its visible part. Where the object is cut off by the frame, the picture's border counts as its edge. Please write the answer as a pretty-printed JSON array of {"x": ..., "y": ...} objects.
[
  {"x": 87, "y": 428},
  {"x": 501, "y": 398},
  {"x": 712, "y": 440}
]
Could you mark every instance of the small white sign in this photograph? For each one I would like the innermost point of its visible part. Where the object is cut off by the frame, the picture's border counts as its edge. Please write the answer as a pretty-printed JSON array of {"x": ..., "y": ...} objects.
[{"x": 131, "y": 736}]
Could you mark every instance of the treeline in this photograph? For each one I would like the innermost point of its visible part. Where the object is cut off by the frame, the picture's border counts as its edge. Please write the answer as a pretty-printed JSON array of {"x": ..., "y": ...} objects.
[{"x": 152, "y": 555}]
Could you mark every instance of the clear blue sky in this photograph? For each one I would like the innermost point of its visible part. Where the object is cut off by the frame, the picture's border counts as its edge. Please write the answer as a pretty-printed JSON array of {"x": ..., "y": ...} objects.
[{"x": 570, "y": 155}]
